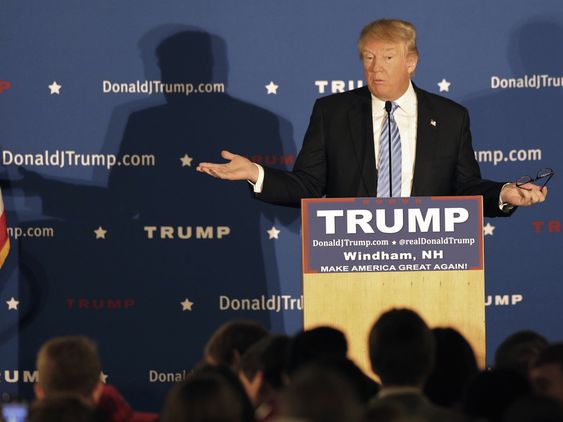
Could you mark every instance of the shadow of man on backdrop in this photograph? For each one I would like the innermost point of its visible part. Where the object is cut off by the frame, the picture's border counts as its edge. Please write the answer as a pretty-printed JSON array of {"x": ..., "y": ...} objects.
[
  {"x": 172, "y": 234},
  {"x": 524, "y": 119},
  {"x": 519, "y": 118}
]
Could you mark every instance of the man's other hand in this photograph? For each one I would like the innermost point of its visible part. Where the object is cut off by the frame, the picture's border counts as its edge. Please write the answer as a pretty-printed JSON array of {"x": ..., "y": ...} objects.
[
  {"x": 237, "y": 168},
  {"x": 528, "y": 194}
]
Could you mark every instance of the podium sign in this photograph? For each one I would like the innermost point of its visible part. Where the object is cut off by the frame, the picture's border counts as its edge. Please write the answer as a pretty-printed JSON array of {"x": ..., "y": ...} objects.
[
  {"x": 363, "y": 256},
  {"x": 410, "y": 234}
]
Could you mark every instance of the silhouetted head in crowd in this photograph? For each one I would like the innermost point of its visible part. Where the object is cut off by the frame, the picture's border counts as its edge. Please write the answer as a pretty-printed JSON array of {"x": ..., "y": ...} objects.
[
  {"x": 401, "y": 349},
  {"x": 231, "y": 340},
  {"x": 62, "y": 409},
  {"x": 317, "y": 344},
  {"x": 490, "y": 393},
  {"x": 327, "y": 346},
  {"x": 534, "y": 409},
  {"x": 364, "y": 387},
  {"x": 454, "y": 366},
  {"x": 387, "y": 412},
  {"x": 262, "y": 368},
  {"x": 518, "y": 350},
  {"x": 211, "y": 393},
  {"x": 69, "y": 366},
  {"x": 319, "y": 394},
  {"x": 546, "y": 373}
]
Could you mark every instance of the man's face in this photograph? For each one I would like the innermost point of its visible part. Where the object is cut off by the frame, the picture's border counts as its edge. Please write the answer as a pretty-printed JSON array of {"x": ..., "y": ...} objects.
[
  {"x": 387, "y": 68},
  {"x": 547, "y": 380}
]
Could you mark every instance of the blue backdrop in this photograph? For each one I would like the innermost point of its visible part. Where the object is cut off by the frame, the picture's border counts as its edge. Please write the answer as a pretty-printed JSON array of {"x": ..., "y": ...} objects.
[{"x": 114, "y": 234}]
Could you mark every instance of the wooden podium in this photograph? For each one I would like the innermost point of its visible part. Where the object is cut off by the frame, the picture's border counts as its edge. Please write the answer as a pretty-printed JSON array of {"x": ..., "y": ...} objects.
[{"x": 364, "y": 256}]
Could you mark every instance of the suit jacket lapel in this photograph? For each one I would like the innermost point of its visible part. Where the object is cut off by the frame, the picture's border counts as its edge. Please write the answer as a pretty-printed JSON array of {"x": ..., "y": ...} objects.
[
  {"x": 426, "y": 132},
  {"x": 361, "y": 129}
]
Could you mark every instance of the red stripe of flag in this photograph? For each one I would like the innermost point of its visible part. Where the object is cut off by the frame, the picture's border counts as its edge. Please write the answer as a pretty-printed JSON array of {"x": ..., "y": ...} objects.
[{"x": 4, "y": 240}]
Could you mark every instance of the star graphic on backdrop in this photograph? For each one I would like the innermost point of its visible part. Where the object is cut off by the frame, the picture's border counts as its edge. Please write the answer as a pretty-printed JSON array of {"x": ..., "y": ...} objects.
[
  {"x": 488, "y": 230},
  {"x": 100, "y": 233},
  {"x": 103, "y": 377},
  {"x": 186, "y": 305},
  {"x": 55, "y": 88},
  {"x": 444, "y": 85},
  {"x": 272, "y": 88},
  {"x": 186, "y": 160},
  {"x": 13, "y": 304},
  {"x": 273, "y": 233}
]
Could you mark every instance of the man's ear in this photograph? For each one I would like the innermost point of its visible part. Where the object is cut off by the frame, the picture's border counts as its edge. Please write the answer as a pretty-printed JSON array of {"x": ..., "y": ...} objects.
[
  {"x": 253, "y": 387},
  {"x": 236, "y": 359},
  {"x": 258, "y": 379},
  {"x": 97, "y": 392},
  {"x": 38, "y": 390},
  {"x": 412, "y": 61}
]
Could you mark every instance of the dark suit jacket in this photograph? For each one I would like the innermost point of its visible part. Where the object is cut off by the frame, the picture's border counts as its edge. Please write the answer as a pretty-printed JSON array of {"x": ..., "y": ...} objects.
[{"x": 337, "y": 157}]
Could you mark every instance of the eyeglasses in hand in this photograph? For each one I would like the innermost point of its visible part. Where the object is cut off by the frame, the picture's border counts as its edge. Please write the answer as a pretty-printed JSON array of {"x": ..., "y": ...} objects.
[{"x": 543, "y": 175}]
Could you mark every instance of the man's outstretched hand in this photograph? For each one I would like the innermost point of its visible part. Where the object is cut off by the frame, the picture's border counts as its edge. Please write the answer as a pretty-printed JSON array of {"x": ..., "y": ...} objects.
[
  {"x": 528, "y": 194},
  {"x": 237, "y": 168}
]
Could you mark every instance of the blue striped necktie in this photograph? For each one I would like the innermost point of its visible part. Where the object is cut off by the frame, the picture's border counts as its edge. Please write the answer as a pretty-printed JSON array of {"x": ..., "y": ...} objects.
[{"x": 396, "y": 158}]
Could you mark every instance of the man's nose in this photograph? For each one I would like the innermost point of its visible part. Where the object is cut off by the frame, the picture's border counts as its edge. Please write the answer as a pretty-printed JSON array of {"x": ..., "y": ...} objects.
[{"x": 375, "y": 65}]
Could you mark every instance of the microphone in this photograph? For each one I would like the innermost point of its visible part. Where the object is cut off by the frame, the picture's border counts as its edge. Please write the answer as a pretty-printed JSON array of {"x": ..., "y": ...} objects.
[{"x": 388, "y": 108}]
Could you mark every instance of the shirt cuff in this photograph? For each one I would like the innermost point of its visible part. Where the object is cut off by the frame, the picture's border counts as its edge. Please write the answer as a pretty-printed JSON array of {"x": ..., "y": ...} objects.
[
  {"x": 260, "y": 181},
  {"x": 504, "y": 206}
]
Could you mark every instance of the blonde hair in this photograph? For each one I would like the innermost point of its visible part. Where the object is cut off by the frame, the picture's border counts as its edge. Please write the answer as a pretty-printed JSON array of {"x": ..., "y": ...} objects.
[{"x": 394, "y": 30}]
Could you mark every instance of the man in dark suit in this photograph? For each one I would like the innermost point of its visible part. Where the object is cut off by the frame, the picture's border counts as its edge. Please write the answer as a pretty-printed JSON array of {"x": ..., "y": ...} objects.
[{"x": 341, "y": 155}]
